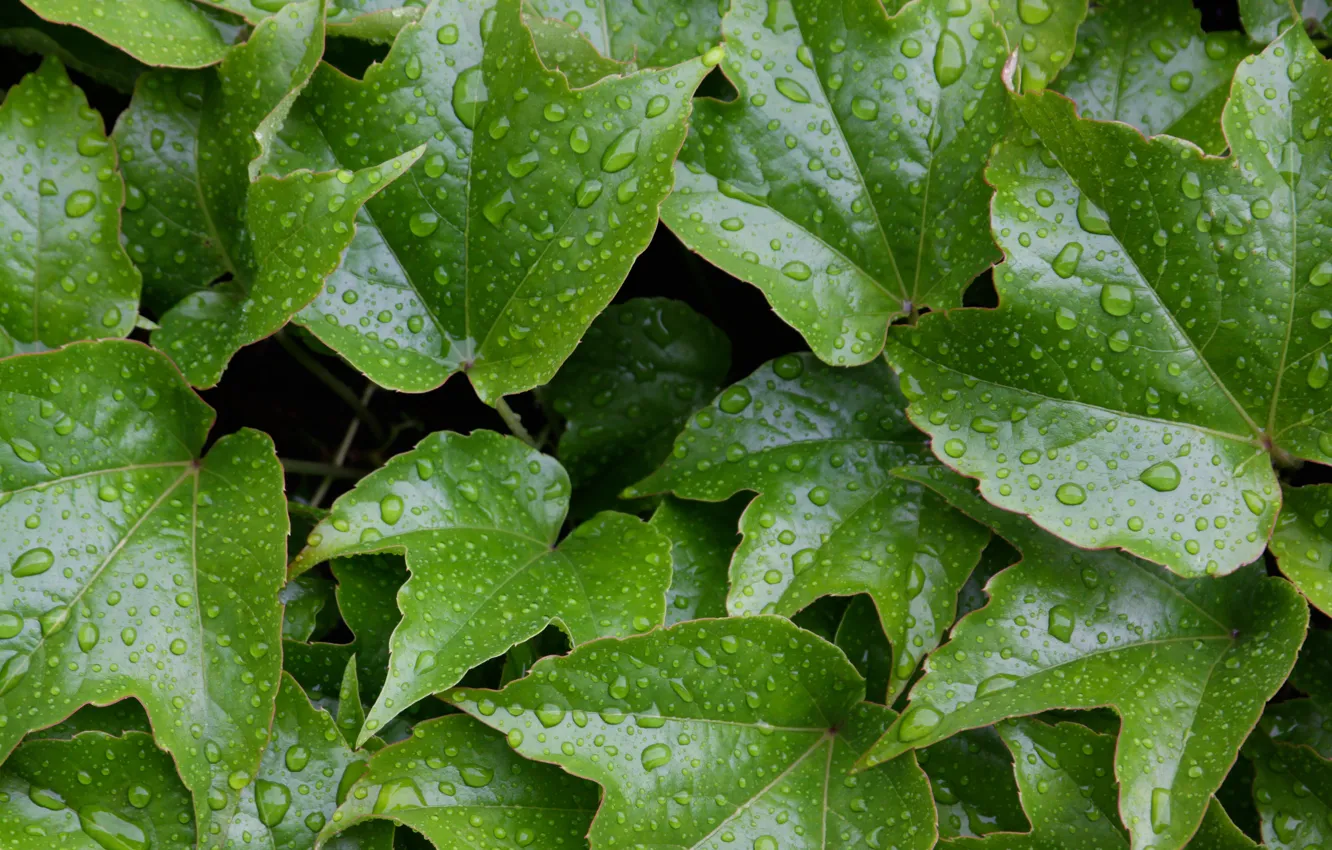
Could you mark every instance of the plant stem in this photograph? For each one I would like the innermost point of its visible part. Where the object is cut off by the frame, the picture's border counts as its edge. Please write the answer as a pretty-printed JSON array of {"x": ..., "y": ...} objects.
[
  {"x": 328, "y": 379},
  {"x": 343, "y": 447},
  {"x": 514, "y": 422}
]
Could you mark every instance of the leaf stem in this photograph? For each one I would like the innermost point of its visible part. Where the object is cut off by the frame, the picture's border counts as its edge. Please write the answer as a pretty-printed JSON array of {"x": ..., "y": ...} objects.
[
  {"x": 328, "y": 379},
  {"x": 515, "y": 423}
]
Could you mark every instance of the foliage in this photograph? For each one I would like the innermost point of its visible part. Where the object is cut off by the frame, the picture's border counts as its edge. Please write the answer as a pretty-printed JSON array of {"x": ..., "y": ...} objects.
[{"x": 918, "y": 424}]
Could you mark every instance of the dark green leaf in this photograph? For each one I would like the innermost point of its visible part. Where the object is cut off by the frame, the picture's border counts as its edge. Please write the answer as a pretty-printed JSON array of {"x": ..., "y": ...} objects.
[
  {"x": 860, "y": 635},
  {"x": 462, "y": 787},
  {"x": 973, "y": 793},
  {"x": 94, "y": 792},
  {"x": 478, "y": 518},
  {"x": 1157, "y": 344},
  {"x": 482, "y": 262},
  {"x": 716, "y": 731},
  {"x": 819, "y": 444},
  {"x": 1187, "y": 665},
  {"x": 651, "y": 34},
  {"x": 703, "y": 539},
  {"x": 845, "y": 181},
  {"x": 643, "y": 367},
  {"x": 1264, "y": 20},
  {"x": 1302, "y": 542},
  {"x": 1150, "y": 65},
  {"x": 175, "y": 33},
  {"x": 136, "y": 567},
  {"x": 1042, "y": 32},
  {"x": 1293, "y": 791},
  {"x": 307, "y": 607},
  {"x": 24, "y": 31},
  {"x": 64, "y": 275}
]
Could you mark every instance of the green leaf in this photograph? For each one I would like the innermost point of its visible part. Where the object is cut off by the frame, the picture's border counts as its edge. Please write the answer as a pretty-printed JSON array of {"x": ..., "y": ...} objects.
[
  {"x": 1264, "y": 20},
  {"x": 703, "y": 538},
  {"x": 1187, "y": 665},
  {"x": 1302, "y": 543},
  {"x": 651, "y": 34},
  {"x": 24, "y": 31},
  {"x": 306, "y": 771},
  {"x": 461, "y": 786},
  {"x": 94, "y": 792},
  {"x": 860, "y": 635},
  {"x": 1042, "y": 32},
  {"x": 1157, "y": 342},
  {"x": 307, "y": 607},
  {"x": 136, "y": 567},
  {"x": 1293, "y": 790},
  {"x": 1065, "y": 775},
  {"x": 1150, "y": 65},
  {"x": 65, "y": 276},
  {"x": 466, "y": 267},
  {"x": 845, "y": 180},
  {"x": 643, "y": 367},
  {"x": 373, "y": 20},
  {"x": 818, "y": 444},
  {"x": 716, "y": 731},
  {"x": 969, "y": 777},
  {"x": 478, "y": 518},
  {"x": 180, "y": 35}
]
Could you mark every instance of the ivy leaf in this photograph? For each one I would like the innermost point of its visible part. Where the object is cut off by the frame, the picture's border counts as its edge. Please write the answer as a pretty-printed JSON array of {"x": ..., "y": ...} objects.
[
  {"x": 94, "y": 792},
  {"x": 307, "y": 607},
  {"x": 1306, "y": 722},
  {"x": 1264, "y": 20},
  {"x": 1187, "y": 665},
  {"x": 496, "y": 255},
  {"x": 1043, "y": 34},
  {"x": 372, "y": 20},
  {"x": 461, "y": 786},
  {"x": 870, "y": 202},
  {"x": 819, "y": 445},
  {"x": 65, "y": 276},
  {"x": 1293, "y": 791},
  {"x": 23, "y": 30},
  {"x": 968, "y": 774},
  {"x": 181, "y": 34},
  {"x": 478, "y": 518},
  {"x": 740, "y": 729},
  {"x": 1150, "y": 65},
  {"x": 652, "y": 35},
  {"x": 643, "y": 367},
  {"x": 1302, "y": 543},
  {"x": 1065, "y": 775},
  {"x": 1157, "y": 342},
  {"x": 860, "y": 635},
  {"x": 703, "y": 538},
  {"x": 136, "y": 567},
  {"x": 306, "y": 770}
]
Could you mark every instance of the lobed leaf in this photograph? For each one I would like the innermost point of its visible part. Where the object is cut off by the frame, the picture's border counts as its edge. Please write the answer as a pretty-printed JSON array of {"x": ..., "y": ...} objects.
[
  {"x": 1042, "y": 32},
  {"x": 845, "y": 180},
  {"x": 1264, "y": 20},
  {"x": 181, "y": 34},
  {"x": 1302, "y": 548},
  {"x": 819, "y": 445},
  {"x": 135, "y": 565},
  {"x": 703, "y": 539},
  {"x": 651, "y": 35}
]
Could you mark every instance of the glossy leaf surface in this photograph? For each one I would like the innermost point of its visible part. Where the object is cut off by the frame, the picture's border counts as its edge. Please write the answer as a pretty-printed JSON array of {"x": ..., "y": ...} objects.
[
  {"x": 181, "y": 35},
  {"x": 642, "y": 368},
  {"x": 461, "y": 786},
  {"x": 1042, "y": 32},
  {"x": 1264, "y": 20},
  {"x": 845, "y": 180},
  {"x": 63, "y": 274},
  {"x": 1150, "y": 65},
  {"x": 1187, "y": 665},
  {"x": 715, "y": 732},
  {"x": 1302, "y": 543},
  {"x": 970, "y": 777},
  {"x": 703, "y": 539},
  {"x": 135, "y": 567},
  {"x": 649, "y": 34},
  {"x": 1158, "y": 330},
  {"x": 519, "y": 222},
  {"x": 478, "y": 518},
  {"x": 1293, "y": 791},
  {"x": 80, "y": 50},
  {"x": 94, "y": 791},
  {"x": 818, "y": 444}
]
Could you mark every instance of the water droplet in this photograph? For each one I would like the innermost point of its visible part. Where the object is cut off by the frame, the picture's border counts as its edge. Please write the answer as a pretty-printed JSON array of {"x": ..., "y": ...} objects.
[
  {"x": 498, "y": 208},
  {"x": 955, "y": 448},
  {"x": 864, "y": 108},
  {"x": 792, "y": 89},
  {"x": 1071, "y": 494},
  {"x": 587, "y": 193},
  {"x": 12, "y": 672},
  {"x": 87, "y": 637},
  {"x": 995, "y": 683},
  {"x": 423, "y": 223},
  {"x": 1034, "y": 12},
  {"x": 111, "y": 830},
  {"x": 297, "y": 758},
  {"x": 139, "y": 796},
  {"x": 390, "y": 509},
  {"x": 1163, "y": 477},
  {"x": 1065, "y": 263},
  {"x": 91, "y": 144},
  {"x": 796, "y": 270},
  {"x": 1255, "y": 503},
  {"x": 273, "y": 800},
  {"x": 917, "y": 723},
  {"x": 33, "y": 562},
  {"x": 474, "y": 776},
  {"x": 238, "y": 779},
  {"x": 10, "y": 624},
  {"x": 523, "y": 164},
  {"x": 621, "y": 153},
  {"x": 469, "y": 96},
  {"x": 550, "y": 715},
  {"x": 26, "y": 451},
  {"x": 1160, "y": 809},
  {"x": 1191, "y": 186},
  {"x": 1060, "y": 623},
  {"x": 1116, "y": 299},
  {"x": 398, "y": 794},
  {"x": 80, "y": 203},
  {"x": 1181, "y": 81},
  {"x": 1318, "y": 372},
  {"x": 656, "y": 105},
  {"x": 655, "y": 756},
  {"x": 950, "y": 59},
  {"x": 1092, "y": 218},
  {"x": 447, "y": 34},
  {"x": 734, "y": 399}
]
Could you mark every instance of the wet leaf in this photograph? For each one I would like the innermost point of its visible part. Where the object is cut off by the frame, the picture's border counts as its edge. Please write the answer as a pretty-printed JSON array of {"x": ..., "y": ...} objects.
[
  {"x": 1293, "y": 791},
  {"x": 705, "y": 733},
  {"x": 1157, "y": 344},
  {"x": 373, "y": 20},
  {"x": 461, "y": 786},
  {"x": 23, "y": 30},
  {"x": 136, "y": 566},
  {"x": 181, "y": 35},
  {"x": 64, "y": 275},
  {"x": 1264, "y": 20},
  {"x": 845, "y": 180},
  {"x": 970, "y": 777},
  {"x": 642, "y": 368},
  {"x": 1302, "y": 547},
  {"x": 1150, "y": 65},
  {"x": 519, "y": 222},
  {"x": 650, "y": 34},
  {"x": 703, "y": 539},
  {"x": 94, "y": 791},
  {"x": 1042, "y": 33},
  {"x": 1186, "y": 664},
  {"x": 819, "y": 445},
  {"x": 478, "y": 518}
]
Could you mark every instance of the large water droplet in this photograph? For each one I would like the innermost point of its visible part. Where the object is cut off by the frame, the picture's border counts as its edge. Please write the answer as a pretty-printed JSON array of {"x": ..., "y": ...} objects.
[
  {"x": 80, "y": 203},
  {"x": 621, "y": 153},
  {"x": 1160, "y": 809},
  {"x": 297, "y": 758},
  {"x": 1092, "y": 218},
  {"x": 390, "y": 509},
  {"x": 273, "y": 800},
  {"x": 87, "y": 637},
  {"x": 1060, "y": 623},
  {"x": 950, "y": 59},
  {"x": 1116, "y": 299},
  {"x": 111, "y": 830},
  {"x": 398, "y": 794},
  {"x": 423, "y": 224},
  {"x": 469, "y": 96},
  {"x": 1318, "y": 372},
  {"x": 13, "y": 672},
  {"x": 997, "y": 682},
  {"x": 1163, "y": 477},
  {"x": 33, "y": 562},
  {"x": 917, "y": 723},
  {"x": 1034, "y": 12},
  {"x": 498, "y": 208},
  {"x": 655, "y": 756},
  {"x": 1065, "y": 263},
  {"x": 475, "y": 776},
  {"x": 10, "y": 624},
  {"x": 1071, "y": 494},
  {"x": 792, "y": 89}
]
